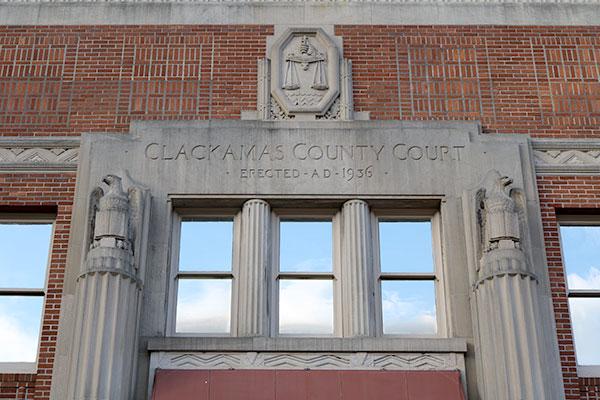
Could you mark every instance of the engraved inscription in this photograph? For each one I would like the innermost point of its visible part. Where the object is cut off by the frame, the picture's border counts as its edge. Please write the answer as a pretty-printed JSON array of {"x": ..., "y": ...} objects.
[
  {"x": 302, "y": 151},
  {"x": 304, "y": 160}
]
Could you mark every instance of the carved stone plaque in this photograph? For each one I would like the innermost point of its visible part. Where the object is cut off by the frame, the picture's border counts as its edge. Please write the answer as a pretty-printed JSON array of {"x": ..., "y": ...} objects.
[{"x": 305, "y": 71}]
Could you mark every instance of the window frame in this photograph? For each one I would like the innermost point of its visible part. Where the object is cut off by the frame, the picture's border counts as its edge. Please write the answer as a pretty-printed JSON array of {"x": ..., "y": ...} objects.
[
  {"x": 585, "y": 371},
  {"x": 292, "y": 208},
  {"x": 433, "y": 216},
  {"x": 279, "y": 215},
  {"x": 30, "y": 219},
  {"x": 202, "y": 214}
]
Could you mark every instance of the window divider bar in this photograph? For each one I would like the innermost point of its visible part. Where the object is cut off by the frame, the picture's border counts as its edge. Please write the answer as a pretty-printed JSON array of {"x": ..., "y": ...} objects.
[
  {"x": 21, "y": 292},
  {"x": 584, "y": 293},
  {"x": 407, "y": 276},
  {"x": 306, "y": 275},
  {"x": 205, "y": 274}
]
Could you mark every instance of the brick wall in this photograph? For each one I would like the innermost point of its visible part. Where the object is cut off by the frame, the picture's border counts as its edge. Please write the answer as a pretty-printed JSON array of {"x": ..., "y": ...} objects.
[
  {"x": 542, "y": 81},
  {"x": 590, "y": 388},
  {"x": 26, "y": 192},
  {"x": 559, "y": 193}
]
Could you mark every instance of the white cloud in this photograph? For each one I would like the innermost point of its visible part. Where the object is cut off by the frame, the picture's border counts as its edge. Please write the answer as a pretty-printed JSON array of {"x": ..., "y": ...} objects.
[
  {"x": 306, "y": 307},
  {"x": 19, "y": 342},
  {"x": 204, "y": 307},
  {"x": 407, "y": 315},
  {"x": 585, "y": 314},
  {"x": 591, "y": 281}
]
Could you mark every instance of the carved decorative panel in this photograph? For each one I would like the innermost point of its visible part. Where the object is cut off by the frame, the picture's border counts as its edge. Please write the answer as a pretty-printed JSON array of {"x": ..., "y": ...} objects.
[
  {"x": 305, "y": 71},
  {"x": 561, "y": 157},
  {"x": 39, "y": 154},
  {"x": 260, "y": 360}
]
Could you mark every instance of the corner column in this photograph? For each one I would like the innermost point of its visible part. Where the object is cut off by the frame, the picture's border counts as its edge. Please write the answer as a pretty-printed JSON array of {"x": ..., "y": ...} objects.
[
  {"x": 109, "y": 289},
  {"x": 356, "y": 270},
  {"x": 517, "y": 356},
  {"x": 252, "y": 313}
]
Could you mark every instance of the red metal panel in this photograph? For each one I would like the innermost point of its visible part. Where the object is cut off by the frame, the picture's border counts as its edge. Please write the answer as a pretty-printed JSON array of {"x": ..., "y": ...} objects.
[
  {"x": 181, "y": 384},
  {"x": 306, "y": 385},
  {"x": 241, "y": 384},
  {"x": 375, "y": 385},
  {"x": 421, "y": 386}
]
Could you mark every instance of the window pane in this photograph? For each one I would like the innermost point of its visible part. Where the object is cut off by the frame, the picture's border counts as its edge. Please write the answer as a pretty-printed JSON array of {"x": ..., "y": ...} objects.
[
  {"x": 20, "y": 319},
  {"x": 585, "y": 314},
  {"x": 203, "y": 306},
  {"x": 408, "y": 307},
  {"x": 405, "y": 246},
  {"x": 305, "y": 246},
  {"x": 206, "y": 246},
  {"x": 24, "y": 252},
  {"x": 581, "y": 250},
  {"x": 306, "y": 307}
]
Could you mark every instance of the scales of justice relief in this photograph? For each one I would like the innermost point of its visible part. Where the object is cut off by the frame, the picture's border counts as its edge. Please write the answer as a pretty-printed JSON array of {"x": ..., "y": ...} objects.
[{"x": 297, "y": 70}]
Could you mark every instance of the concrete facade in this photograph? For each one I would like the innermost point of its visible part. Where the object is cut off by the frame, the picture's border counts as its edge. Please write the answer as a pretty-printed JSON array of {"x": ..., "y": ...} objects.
[{"x": 412, "y": 164}]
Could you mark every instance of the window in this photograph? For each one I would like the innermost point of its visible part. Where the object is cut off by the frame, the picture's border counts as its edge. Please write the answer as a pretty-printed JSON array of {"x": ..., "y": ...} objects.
[
  {"x": 581, "y": 257},
  {"x": 300, "y": 275},
  {"x": 24, "y": 250},
  {"x": 204, "y": 277},
  {"x": 407, "y": 277},
  {"x": 305, "y": 277}
]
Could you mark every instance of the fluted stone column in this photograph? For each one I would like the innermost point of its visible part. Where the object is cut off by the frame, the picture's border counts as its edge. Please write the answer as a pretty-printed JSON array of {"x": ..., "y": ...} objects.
[
  {"x": 254, "y": 261},
  {"x": 516, "y": 355},
  {"x": 356, "y": 266},
  {"x": 108, "y": 300}
]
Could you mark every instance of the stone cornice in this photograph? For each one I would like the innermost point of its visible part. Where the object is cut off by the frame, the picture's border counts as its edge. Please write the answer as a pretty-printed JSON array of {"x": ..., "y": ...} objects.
[
  {"x": 311, "y": 2},
  {"x": 566, "y": 157},
  {"x": 303, "y": 12},
  {"x": 39, "y": 154},
  {"x": 300, "y": 344}
]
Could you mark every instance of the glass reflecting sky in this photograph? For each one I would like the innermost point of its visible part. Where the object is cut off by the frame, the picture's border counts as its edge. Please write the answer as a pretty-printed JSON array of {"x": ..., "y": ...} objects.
[
  {"x": 24, "y": 250},
  {"x": 306, "y": 307},
  {"x": 305, "y": 246},
  {"x": 206, "y": 246},
  {"x": 405, "y": 246},
  {"x": 203, "y": 306},
  {"x": 585, "y": 315},
  {"x": 408, "y": 307},
  {"x": 20, "y": 319},
  {"x": 581, "y": 251}
]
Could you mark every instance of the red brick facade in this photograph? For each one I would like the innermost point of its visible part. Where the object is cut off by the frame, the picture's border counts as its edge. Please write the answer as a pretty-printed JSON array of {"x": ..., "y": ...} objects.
[
  {"x": 541, "y": 81},
  {"x": 557, "y": 194},
  {"x": 47, "y": 192}
]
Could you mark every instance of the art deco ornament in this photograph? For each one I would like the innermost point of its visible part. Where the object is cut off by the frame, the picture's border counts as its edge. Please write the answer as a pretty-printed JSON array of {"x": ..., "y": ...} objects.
[
  {"x": 303, "y": 62},
  {"x": 109, "y": 292},
  {"x": 304, "y": 77}
]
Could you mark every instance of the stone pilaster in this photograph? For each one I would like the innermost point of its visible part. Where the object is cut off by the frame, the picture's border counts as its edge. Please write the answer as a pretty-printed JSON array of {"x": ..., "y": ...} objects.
[
  {"x": 356, "y": 266},
  {"x": 346, "y": 99},
  {"x": 515, "y": 350},
  {"x": 107, "y": 303},
  {"x": 253, "y": 263}
]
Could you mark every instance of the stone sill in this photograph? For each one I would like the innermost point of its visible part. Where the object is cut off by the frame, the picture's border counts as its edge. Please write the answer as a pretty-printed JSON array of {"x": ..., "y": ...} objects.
[{"x": 303, "y": 344}]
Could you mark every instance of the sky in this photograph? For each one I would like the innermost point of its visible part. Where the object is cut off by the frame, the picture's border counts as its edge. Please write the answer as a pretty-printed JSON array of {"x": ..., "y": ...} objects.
[
  {"x": 306, "y": 307},
  {"x": 24, "y": 253},
  {"x": 581, "y": 252}
]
